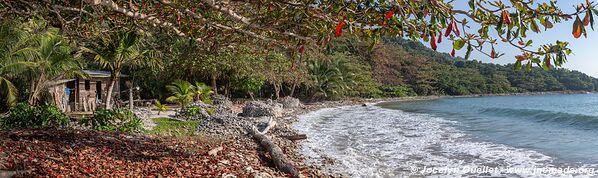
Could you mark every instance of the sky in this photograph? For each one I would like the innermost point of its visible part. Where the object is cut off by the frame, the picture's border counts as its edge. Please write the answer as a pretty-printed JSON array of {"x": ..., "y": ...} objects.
[{"x": 585, "y": 50}]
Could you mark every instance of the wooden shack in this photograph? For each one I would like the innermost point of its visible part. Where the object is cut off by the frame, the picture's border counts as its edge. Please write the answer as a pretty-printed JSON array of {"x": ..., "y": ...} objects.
[{"x": 83, "y": 94}]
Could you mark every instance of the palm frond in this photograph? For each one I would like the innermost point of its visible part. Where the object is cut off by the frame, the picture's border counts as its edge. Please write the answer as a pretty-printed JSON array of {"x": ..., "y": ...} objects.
[
  {"x": 171, "y": 99},
  {"x": 18, "y": 67},
  {"x": 8, "y": 92}
]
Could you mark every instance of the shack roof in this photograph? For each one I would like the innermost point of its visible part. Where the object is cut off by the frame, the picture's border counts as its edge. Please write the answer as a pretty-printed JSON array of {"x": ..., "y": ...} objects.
[{"x": 100, "y": 73}]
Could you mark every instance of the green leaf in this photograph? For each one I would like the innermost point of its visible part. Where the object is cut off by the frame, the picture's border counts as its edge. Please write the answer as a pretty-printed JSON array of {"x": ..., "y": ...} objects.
[
  {"x": 534, "y": 26},
  {"x": 501, "y": 21},
  {"x": 517, "y": 65},
  {"x": 529, "y": 42},
  {"x": 547, "y": 24},
  {"x": 515, "y": 34},
  {"x": 522, "y": 30},
  {"x": 529, "y": 66},
  {"x": 458, "y": 44},
  {"x": 468, "y": 53},
  {"x": 591, "y": 19}
]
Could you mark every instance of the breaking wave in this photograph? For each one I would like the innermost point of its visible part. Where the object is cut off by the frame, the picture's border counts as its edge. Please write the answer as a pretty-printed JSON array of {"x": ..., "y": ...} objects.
[{"x": 376, "y": 142}]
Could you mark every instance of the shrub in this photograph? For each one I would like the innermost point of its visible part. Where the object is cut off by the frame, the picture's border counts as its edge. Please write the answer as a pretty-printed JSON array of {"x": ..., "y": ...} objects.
[
  {"x": 160, "y": 107},
  {"x": 120, "y": 119},
  {"x": 340, "y": 75},
  {"x": 24, "y": 115},
  {"x": 248, "y": 85},
  {"x": 195, "y": 113},
  {"x": 203, "y": 92},
  {"x": 192, "y": 111}
]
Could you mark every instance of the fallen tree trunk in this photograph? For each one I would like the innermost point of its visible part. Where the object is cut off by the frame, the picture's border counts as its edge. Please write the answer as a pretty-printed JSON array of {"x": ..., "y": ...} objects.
[
  {"x": 280, "y": 160},
  {"x": 296, "y": 137}
]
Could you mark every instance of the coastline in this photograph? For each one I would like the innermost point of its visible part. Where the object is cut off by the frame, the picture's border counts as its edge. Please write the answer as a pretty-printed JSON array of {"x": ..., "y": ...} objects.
[
  {"x": 312, "y": 107},
  {"x": 240, "y": 155}
]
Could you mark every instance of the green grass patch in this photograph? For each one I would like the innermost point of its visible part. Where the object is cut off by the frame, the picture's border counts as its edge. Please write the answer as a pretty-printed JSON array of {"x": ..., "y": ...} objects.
[{"x": 174, "y": 128}]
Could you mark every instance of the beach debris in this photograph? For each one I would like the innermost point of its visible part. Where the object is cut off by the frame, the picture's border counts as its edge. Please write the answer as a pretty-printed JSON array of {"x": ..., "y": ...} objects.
[
  {"x": 68, "y": 152},
  {"x": 296, "y": 137},
  {"x": 278, "y": 157},
  {"x": 215, "y": 151}
]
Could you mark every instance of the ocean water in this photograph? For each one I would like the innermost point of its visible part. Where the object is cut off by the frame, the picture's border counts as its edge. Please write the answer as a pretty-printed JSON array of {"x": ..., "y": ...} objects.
[{"x": 512, "y": 136}]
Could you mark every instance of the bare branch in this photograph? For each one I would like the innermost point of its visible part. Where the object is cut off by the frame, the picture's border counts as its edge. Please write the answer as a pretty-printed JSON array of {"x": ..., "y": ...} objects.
[
  {"x": 136, "y": 15},
  {"x": 247, "y": 21}
]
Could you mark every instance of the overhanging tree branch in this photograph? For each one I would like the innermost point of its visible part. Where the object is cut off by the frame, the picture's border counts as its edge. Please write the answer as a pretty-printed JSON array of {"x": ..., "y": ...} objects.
[
  {"x": 247, "y": 21},
  {"x": 137, "y": 15}
]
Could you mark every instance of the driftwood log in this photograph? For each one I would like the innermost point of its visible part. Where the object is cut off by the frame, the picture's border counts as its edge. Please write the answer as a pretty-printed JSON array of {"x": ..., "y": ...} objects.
[
  {"x": 296, "y": 137},
  {"x": 280, "y": 160}
]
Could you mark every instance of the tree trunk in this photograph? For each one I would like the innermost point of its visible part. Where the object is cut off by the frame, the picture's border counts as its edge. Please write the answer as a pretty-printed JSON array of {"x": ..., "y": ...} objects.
[
  {"x": 113, "y": 80},
  {"x": 276, "y": 91},
  {"x": 278, "y": 157},
  {"x": 226, "y": 89},
  {"x": 251, "y": 96},
  {"x": 31, "y": 91},
  {"x": 214, "y": 85},
  {"x": 131, "y": 99},
  {"x": 293, "y": 89},
  {"x": 35, "y": 90}
]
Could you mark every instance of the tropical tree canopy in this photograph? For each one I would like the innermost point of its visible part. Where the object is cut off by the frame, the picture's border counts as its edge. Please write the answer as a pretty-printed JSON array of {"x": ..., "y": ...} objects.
[
  {"x": 40, "y": 55},
  {"x": 9, "y": 37},
  {"x": 297, "y": 23},
  {"x": 121, "y": 50}
]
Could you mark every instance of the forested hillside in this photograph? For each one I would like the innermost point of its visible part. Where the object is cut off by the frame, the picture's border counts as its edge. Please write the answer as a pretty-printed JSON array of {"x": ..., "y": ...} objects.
[
  {"x": 403, "y": 67},
  {"x": 351, "y": 68}
]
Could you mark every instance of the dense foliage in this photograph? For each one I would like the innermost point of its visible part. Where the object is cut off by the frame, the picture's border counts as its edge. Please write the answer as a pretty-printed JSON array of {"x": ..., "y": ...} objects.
[
  {"x": 421, "y": 67},
  {"x": 184, "y": 92},
  {"x": 35, "y": 52},
  {"x": 23, "y": 115},
  {"x": 299, "y": 23},
  {"x": 119, "y": 119},
  {"x": 299, "y": 58}
]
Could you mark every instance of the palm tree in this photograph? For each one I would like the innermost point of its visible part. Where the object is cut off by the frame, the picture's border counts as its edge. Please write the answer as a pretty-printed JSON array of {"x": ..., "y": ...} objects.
[
  {"x": 42, "y": 56},
  {"x": 182, "y": 92},
  {"x": 8, "y": 92},
  {"x": 203, "y": 92},
  {"x": 327, "y": 76},
  {"x": 160, "y": 107},
  {"x": 53, "y": 59},
  {"x": 122, "y": 49},
  {"x": 10, "y": 39}
]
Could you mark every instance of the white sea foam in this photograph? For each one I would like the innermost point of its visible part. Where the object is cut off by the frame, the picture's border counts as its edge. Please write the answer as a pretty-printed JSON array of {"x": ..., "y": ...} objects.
[{"x": 375, "y": 142}]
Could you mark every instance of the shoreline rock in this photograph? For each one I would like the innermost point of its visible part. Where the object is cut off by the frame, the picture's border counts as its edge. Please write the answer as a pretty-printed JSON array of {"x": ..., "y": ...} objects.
[
  {"x": 262, "y": 108},
  {"x": 236, "y": 127}
]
